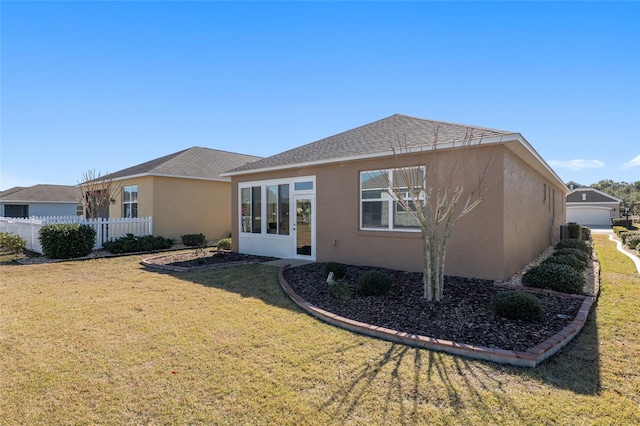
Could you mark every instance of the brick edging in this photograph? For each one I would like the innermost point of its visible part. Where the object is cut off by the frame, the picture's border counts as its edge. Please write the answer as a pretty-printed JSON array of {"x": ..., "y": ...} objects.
[{"x": 530, "y": 358}]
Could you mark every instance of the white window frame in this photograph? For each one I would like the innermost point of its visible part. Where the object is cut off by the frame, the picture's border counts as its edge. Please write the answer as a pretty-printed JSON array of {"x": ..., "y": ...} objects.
[
  {"x": 263, "y": 184},
  {"x": 130, "y": 203},
  {"x": 389, "y": 197}
]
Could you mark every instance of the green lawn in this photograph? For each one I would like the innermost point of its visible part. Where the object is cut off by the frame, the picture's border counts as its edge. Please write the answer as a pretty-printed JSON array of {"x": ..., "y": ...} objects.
[{"x": 109, "y": 342}]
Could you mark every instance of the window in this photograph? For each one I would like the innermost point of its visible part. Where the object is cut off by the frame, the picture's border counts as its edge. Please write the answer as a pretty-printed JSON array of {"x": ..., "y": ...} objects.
[
  {"x": 379, "y": 208},
  {"x": 16, "y": 210},
  {"x": 79, "y": 210},
  {"x": 278, "y": 209},
  {"x": 251, "y": 205},
  {"x": 130, "y": 201}
]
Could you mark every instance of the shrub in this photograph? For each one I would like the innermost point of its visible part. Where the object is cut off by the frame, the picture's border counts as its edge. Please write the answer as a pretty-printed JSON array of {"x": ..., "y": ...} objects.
[
  {"x": 625, "y": 236},
  {"x": 567, "y": 259},
  {"x": 339, "y": 270},
  {"x": 619, "y": 229},
  {"x": 340, "y": 289},
  {"x": 224, "y": 244},
  {"x": 374, "y": 283},
  {"x": 11, "y": 243},
  {"x": 517, "y": 305},
  {"x": 586, "y": 233},
  {"x": 575, "y": 230},
  {"x": 575, "y": 243},
  {"x": 194, "y": 240},
  {"x": 132, "y": 244},
  {"x": 583, "y": 256},
  {"x": 633, "y": 241},
  {"x": 553, "y": 276},
  {"x": 67, "y": 240}
]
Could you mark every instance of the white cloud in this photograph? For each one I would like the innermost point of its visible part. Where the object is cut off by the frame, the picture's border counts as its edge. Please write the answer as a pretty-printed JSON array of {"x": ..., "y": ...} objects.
[
  {"x": 578, "y": 164},
  {"x": 635, "y": 162}
]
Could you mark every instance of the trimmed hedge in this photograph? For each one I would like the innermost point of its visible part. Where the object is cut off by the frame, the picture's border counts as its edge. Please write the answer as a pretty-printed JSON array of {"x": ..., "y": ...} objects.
[
  {"x": 132, "y": 244},
  {"x": 194, "y": 240},
  {"x": 518, "y": 305},
  {"x": 575, "y": 243},
  {"x": 554, "y": 276},
  {"x": 67, "y": 240},
  {"x": 583, "y": 256},
  {"x": 575, "y": 230},
  {"x": 633, "y": 241},
  {"x": 374, "y": 283},
  {"x": 567, "y": 259}
]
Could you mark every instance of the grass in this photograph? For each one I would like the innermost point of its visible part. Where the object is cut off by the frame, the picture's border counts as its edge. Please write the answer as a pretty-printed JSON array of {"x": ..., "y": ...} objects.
[{"x": 107, "y": 342}]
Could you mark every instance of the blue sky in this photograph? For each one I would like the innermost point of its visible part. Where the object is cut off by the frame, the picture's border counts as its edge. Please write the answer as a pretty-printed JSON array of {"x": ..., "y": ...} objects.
[{"x": 107, "y": 85}]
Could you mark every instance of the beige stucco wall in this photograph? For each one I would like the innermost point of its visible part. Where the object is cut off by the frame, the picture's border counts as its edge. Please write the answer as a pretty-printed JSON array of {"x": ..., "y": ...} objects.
[
  {"x": 532, "y": 220},
  {"x": 492, "y": 242},
  {"x": 182, "y": 206}
]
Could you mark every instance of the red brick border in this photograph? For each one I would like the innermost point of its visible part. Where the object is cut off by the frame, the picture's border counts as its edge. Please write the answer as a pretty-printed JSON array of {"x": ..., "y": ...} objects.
[{"x": 531, "y": 358}]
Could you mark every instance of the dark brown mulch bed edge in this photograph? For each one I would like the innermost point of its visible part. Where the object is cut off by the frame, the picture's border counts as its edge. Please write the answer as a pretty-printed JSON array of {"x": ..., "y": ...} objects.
[{"x": 465, "y": 315}]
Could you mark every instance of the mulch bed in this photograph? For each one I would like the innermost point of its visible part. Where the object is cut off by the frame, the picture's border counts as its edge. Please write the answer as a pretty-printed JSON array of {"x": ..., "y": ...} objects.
[
  {"x": 203, "y": 258},
  {"x": 465, "y": 315}
]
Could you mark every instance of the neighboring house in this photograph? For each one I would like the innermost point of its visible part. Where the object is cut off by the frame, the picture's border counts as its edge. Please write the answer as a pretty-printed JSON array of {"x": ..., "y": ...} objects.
[
  {"x": 39, "y": 200},
  {"x": 183, "y": 192},
  {"x": 590, "y": 207},
  {"x": 313, "y": 202}
]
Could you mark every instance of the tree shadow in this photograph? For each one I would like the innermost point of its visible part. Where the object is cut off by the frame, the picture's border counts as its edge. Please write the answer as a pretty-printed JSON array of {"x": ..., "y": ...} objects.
[{"x": 575, "y": 368}]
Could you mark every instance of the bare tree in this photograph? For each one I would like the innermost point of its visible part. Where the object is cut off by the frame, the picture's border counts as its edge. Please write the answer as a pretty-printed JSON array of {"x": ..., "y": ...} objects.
[
  {"x": 96, "y": 193},
  {"x": 436, "y": 186}
]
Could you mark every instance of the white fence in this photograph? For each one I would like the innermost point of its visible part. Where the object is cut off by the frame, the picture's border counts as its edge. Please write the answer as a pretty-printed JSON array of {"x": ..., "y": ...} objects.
[{"x": 106, "y": 229}]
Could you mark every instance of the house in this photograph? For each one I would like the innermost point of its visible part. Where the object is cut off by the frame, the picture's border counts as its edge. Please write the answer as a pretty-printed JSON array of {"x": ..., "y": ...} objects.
[
  {"x": 313, "y": 202},
  {"x": 39, "y": 200},
  {"x": 590, "y": 207},
  {"x": 183, "y": 192}
]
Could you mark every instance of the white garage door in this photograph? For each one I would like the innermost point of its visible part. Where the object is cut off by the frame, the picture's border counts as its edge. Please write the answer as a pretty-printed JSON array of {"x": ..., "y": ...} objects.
[{"x": 589, "y": 215}]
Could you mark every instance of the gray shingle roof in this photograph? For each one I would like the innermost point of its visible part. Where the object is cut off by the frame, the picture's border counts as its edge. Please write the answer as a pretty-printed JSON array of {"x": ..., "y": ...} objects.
[
  {"x": 40, "y": 193},
  {"x": 373, "y": 138},
  {"x": 593, "y": 196},
  {"x": 195, "y": 162}
]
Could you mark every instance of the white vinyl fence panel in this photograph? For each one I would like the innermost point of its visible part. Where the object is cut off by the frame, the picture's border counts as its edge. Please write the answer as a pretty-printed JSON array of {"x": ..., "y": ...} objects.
[{"x": 106, "y": 229}]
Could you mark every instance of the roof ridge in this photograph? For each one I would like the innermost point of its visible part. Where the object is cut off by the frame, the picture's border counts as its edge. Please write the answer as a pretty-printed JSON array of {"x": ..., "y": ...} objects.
[{"x": 451, "y": 123}]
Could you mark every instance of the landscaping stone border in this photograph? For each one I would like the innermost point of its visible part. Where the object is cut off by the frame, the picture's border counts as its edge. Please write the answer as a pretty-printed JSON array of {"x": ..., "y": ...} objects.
[{"x": 530, "y": 358}]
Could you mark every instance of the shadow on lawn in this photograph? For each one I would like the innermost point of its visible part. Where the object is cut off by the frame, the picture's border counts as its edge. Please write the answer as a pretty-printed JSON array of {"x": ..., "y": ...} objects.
[{"x": 574, "y": 368}]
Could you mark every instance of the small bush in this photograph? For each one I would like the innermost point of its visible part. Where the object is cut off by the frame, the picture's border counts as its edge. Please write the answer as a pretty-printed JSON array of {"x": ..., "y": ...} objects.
[
  {"x": 10, "y": 243},
  {"x": 194, "y": 240},
  {"x": 339, "y": 270},
  {"x": 224, "y": 244},
  {"x": 553, "y": 276},
  {"x": 517, "y": 305},
  {"x": 583, "y": 256},
  {"x": 633, "y": 241},
  {"x": 625, "y": 236},
  {"x": 67, "y": 240},
  {"x": 374, "y": 283},
  {"x": 575, "y": 230},
  {"x": 619, "y": 229},
  {"x": 340, "y": 290},
  {"x": 574, "y": 243},
  {"x": 132, "y": 244},
  {"x": 586, "y": 233},
  {"x": 567, "y": 259}
]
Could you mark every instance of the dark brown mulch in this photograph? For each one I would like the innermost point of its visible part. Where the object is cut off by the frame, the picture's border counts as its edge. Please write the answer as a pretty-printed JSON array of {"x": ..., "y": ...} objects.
[
  {"x": 465, "y": 315},
  {"x": 206, "y": 257}
]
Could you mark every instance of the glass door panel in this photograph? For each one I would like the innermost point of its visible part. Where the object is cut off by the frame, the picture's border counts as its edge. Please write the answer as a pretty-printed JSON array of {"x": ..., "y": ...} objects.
[{"x": 304, "y": 227}]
